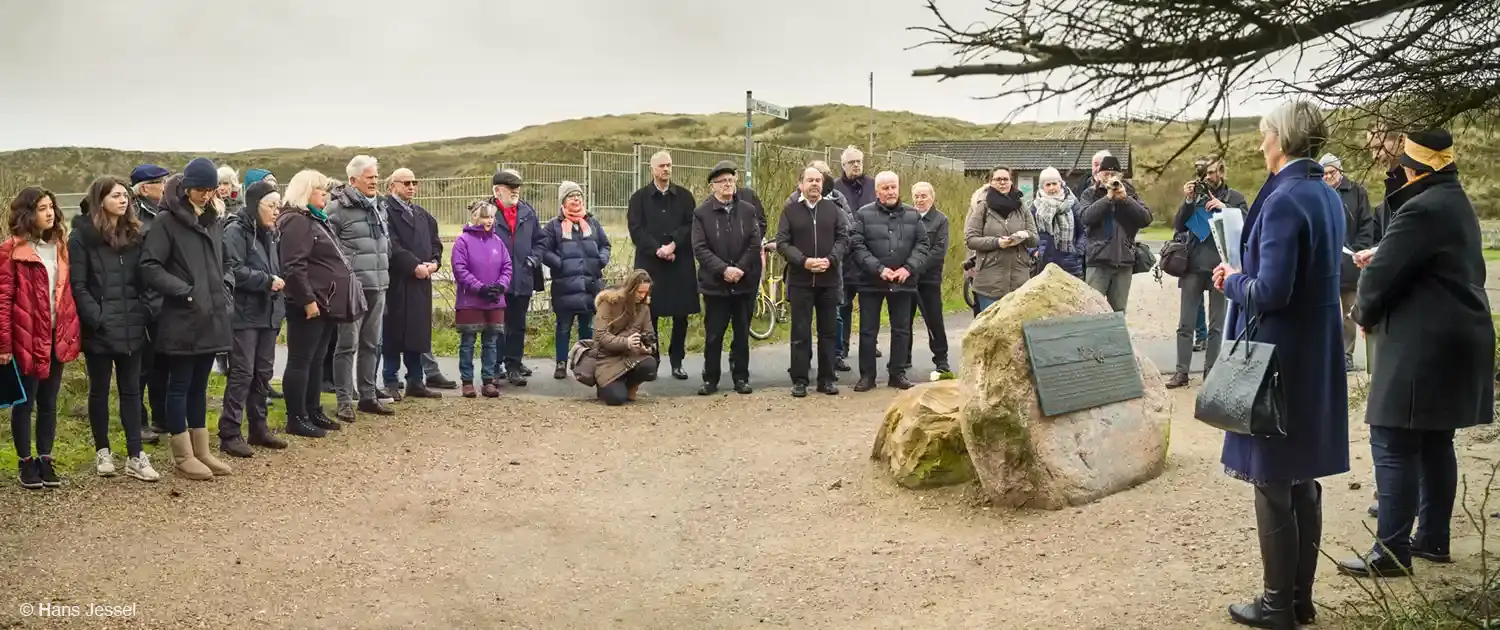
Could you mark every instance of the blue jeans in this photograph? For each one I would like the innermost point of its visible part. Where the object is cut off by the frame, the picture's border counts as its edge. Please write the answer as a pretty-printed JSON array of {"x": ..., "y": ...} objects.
[
  {"x": 983, "y": 302},
  {"x": 1416, "y": 477},
  {"x": 489, "y": 357},
  {"x": 564, "y": 332},
  {"x": 392, "y": 364},
  {"x": 187, "y": 391}
]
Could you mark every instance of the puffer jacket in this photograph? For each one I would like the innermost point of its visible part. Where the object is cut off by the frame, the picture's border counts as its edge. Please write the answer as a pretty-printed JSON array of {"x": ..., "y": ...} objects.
[
  {"x": 577, "y": 263},
  {"x": 253, "y": 256},
  {"x": 724, "y": 236},
  {"x": 891, "y": 237},
  {"x": 183, "y": 260},
  {"x": 28, "y": 330},
  {"x": 364, "y": 233},
  {"x": 479, "y": 257},
  {"x": 999, "y": 270},
  {"x": 114, "y": 311}
]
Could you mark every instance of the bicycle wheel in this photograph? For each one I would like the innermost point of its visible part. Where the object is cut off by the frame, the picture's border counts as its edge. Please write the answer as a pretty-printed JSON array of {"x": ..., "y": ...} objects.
[
  {"x": 969, "y": 292},
  {"x": 764, "y": 320}
]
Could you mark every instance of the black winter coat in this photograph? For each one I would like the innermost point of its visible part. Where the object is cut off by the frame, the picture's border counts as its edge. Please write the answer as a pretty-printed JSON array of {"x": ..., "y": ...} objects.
[
  {"x": 724, "y": 236},
  {"x": 889, "y": 237},
  {"x": 819, "y": 232},
  {"x": 314, "y": 268},
  {"x": 655, "y": 219},
  {"x": 1110, "y": 226},
  {"x": 577, "y": 263},
  {"x": 525, "y": 245},
  {"x": 1423, "y": 296},
  {"x": 1203, "y": 256},
  {"x": 183, "y": 260},
  {"x": 937, "y": 234},
  {"x": 114, "y": 312},
  {"x": 408, "y": 303},
  {"x": 253, "y": 257}
]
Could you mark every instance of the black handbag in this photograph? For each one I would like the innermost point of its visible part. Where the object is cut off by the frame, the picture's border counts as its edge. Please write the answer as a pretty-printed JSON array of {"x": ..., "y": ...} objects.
[
  {"x": 1144, "y": 259},
  {"x": 1174, "y": 257},
  {"x": 1243, "y": 391}
]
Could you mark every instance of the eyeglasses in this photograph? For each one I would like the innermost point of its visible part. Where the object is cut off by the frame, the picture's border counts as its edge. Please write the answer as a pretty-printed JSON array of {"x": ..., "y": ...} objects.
[
  {"x": 722, "y": 180},
  {"x": 1000, "y": 179}
]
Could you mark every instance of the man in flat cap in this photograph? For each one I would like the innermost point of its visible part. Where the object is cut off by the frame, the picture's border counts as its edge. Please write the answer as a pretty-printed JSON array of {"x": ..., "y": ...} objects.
[
  {"x": 517, "y": 223},
  {"x": 726, "y": 236}
]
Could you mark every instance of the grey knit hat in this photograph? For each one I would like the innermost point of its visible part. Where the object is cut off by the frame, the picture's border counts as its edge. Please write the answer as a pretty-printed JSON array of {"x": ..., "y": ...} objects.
[
  {"x": 567, "y": 188},
  {"x": 1330, "y": 159}
]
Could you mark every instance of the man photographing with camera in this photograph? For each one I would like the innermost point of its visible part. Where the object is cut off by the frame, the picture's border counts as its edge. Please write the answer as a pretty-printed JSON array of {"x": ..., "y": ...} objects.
[
  {"x": 1112, "y": 215},
  {"x": 1205, "y": 196}
]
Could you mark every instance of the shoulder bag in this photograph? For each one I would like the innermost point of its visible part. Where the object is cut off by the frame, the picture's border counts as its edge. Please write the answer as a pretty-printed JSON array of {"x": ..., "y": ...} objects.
[
  {"x": 354, "y": 302},
  {"x": 582, "y": 362},
  {"x": 1174, "y": 256},
  {"x": 1243, "y": 392}
]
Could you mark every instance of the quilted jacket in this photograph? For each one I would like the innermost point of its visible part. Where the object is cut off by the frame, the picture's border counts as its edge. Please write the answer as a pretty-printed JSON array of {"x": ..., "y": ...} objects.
[{"x": 27, "y": 331}]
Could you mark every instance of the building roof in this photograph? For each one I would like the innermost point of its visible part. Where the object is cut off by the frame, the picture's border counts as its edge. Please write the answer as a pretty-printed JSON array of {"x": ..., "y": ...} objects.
[{"x": 1026, "y": 155}]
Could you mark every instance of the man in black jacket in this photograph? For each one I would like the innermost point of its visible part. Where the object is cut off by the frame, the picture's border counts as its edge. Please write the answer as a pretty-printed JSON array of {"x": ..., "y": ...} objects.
[
  {"x": 813, "y": 237},
  {"x": 1112, "y": 214},
  {"x": 148, "y": 181},
  {"x": 929, "y": 297},
  {"x": 660, "y": 219},
  {"x": 891, "y": 248},
  {"x": 726, "y": 243},
  {"x": 1359, "y": 235}
]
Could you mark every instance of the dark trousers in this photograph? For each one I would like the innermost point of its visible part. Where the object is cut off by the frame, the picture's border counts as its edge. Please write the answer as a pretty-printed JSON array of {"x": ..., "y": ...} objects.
[
  {"x": 1190, "y": 313},
  {"x": 126, "y": 369},
  {"x": 677, "y": 349},
  {"x": 187, "y": 391},
  {"x": 327, "y": 373},
  {"x": 845, "y": 320},
  {"x": 153, "y": 388},
  {"x": 307, "y": 344},
  {"x": 721, "y": 312},
  {"x": 617, "y": 392},
  {"x": 252, "y": 359},
  {"x": 898, "y": 305},
  {"x": 563, "y": 333},
  {"x": 41, "y": 395},
  {"x": 392, "y": 361},
  {"x": 513, "y": 347},
  {"x": 1201, "y": 331},
  {"x": 929, "y": 300},
  {"x": 1416, "y": 477},
  {"x": 811, "y": 304}
]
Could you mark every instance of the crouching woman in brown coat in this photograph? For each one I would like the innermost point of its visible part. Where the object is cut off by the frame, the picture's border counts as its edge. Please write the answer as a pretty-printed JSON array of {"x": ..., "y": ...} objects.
[{"x": 623, "y": 339}]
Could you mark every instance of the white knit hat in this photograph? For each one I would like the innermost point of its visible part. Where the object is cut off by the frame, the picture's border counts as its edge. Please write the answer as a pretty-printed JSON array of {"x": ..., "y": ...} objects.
[
  {"x": 1050, "y": 174},
  {"x": 1330, "y": 159}
]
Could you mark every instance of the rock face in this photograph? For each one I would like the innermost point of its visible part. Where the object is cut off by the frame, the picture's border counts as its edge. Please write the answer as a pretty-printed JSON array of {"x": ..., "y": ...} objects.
[
  {"x": 921, "y": 440},
  {"x": 1025, "y": 459}
]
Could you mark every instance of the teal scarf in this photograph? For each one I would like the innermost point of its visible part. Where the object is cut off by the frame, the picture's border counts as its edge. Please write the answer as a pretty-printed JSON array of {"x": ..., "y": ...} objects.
[{"x": 318, "y": 212}]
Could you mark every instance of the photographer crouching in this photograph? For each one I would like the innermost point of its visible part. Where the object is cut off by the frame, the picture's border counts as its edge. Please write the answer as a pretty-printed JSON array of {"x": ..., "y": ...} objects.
[{"x": 1205, "y": 196}]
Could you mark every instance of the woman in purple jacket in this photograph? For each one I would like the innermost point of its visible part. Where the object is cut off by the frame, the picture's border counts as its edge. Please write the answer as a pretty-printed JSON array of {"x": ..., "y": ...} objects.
[{"x": 481, "y": 270}]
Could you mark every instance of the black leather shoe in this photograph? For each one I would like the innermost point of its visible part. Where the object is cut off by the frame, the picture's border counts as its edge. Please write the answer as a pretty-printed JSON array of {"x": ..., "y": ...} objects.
[
  {"x": 679, "y": 373},
  {"x": 525, "y": 371},
  {"x": 441, "y": 382},
  {"x": 742, "y": 387},
  {"x": 418, "y": 390},
  {"x": 1258, "y": 614},
  {"x": 374, "y": 406},
  {"x": 866, "y": 383},
  {"x": 516, "y": 378},
  {"x": 1178, "y": 380},
  {"x": 828, "y": 389},
  {"x": 1430, "y": 553},
  {"x": 708, "y": 389},
  {"x": 1374, "y": 564},
  {"x": 899, "y": 381},
  {"x": 841, "y": 365},
  {"x": 236, "y": 446},
  {"x": 799, "y": 390}
]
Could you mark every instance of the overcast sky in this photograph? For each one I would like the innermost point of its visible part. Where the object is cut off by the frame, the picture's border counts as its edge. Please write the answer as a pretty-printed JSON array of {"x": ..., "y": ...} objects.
[{"x": 229, "y": 75}]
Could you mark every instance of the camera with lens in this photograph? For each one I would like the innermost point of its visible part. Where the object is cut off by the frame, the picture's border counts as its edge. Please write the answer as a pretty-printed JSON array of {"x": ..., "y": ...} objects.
[
  {"x": 1114, "y": 183},
  {"x": 1201, "y": 188},
  {"x": 648, "y": 339}
]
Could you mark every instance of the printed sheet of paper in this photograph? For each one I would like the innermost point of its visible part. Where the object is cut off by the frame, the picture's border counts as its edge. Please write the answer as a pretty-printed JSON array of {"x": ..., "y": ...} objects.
[{"x": 1226, "y": 226}]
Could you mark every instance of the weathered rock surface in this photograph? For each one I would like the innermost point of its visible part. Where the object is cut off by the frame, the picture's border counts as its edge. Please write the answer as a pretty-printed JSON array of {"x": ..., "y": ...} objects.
[
  {"x": 1025, "y": 459},
  {"x": 921, "y": 441}
]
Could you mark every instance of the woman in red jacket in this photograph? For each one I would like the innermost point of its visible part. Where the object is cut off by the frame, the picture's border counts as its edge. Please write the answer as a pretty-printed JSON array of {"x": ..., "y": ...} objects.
[{"x": 38, "y": 325}]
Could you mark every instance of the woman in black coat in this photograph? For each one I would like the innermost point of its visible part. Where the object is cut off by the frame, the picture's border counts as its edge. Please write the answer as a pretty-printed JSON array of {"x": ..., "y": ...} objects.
[
  {"x": 320, "y": 295},
  {"x": 1423, "y": 292},
  {"x": 104, "y": 253},
  {"x": 184, "y": 262},
  {"x": 250, "y": 252},
  {"x": 416, "y": 254}
]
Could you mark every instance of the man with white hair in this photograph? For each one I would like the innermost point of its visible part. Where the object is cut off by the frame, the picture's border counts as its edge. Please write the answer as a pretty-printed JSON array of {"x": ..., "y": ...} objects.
[
  {"x": 1094, "y": 172},
  {"x": 148, "y": 182},
  {"x": 660, "y": 219},
  {"x": 891, "y": 248},
  {"x": 859, "y": 190},
  {"x": 363, "y": 232},
  {"x": 516, "y": 222},
  {"x": 1359, "y": 235},
  {"x": 929, "y": 296}
]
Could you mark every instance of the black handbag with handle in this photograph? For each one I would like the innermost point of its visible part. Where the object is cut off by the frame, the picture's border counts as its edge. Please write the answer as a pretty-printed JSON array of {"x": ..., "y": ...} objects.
[{"x": 1243, "y": 392}]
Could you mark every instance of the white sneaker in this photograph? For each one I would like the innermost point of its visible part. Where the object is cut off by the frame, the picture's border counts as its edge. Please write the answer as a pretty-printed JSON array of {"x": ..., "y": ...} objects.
[
  {"x": 140, "y": 468},
  {"x": 104, "y": 463}
]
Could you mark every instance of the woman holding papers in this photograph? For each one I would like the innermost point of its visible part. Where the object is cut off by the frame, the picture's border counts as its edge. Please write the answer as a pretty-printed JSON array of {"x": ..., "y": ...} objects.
[
  {"x": 1201, "y": 200},
  {"x": 1287, "y": 295}
]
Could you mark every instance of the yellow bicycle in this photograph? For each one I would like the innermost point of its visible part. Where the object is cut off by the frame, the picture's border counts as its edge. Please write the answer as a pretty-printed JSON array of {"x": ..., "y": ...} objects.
[{"x": 770, "y": 304}]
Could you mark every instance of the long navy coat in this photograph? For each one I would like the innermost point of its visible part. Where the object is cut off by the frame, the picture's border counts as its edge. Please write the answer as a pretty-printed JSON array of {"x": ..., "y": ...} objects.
[
  {"x": 408, "y": 302},
  {"x": 1291, "y": 253},
  {"x": 577, "y": 263}
]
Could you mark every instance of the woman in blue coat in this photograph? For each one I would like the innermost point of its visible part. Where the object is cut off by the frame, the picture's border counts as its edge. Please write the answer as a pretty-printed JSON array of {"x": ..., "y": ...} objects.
[
  {"x": 575, "y": 248},
  {"x": 1287, "y": 295}
]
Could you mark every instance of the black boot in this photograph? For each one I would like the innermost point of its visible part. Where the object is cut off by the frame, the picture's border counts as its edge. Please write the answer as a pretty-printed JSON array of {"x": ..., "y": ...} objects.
[
  {"x": 1307, "y": 503},
  {"x": 1276, "y": 523},
  {"x": 299, "y": 425},
  {"x": 317, "y": 418}
]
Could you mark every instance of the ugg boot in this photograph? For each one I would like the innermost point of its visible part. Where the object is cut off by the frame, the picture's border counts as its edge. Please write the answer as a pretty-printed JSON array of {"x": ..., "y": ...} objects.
[
  {"x": 182, "y": 457},
  {"x": 205, "y": 455}
]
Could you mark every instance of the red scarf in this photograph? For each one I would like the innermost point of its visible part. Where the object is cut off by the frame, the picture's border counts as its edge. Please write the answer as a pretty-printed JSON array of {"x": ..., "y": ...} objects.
[{"x": 509, "y": 214}]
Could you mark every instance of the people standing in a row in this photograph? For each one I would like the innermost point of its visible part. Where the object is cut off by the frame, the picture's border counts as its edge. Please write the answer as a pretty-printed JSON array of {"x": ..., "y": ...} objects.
[
  {"x": 891, "y": 248},
  {"x": 1359, "y": 235},
  {"x": 1000, "y": 232},
  {"x": 813, "y": 237},
  {"x": 1200, "y": 202},
  {"x": 522, "y": 231},
  {"x": 416, "y": 254},
  {"x": 363, "y": 231},
  {"x": 929, "y": 295},
  {"x": 253, "y": 255},
  {"x": 1112, "y": 215},
  {"x": 576, "y": 249},
  {"x": 858, "y": 190},
  {"x": 39, "y": 329},
  {"x": 660, "y": 219},
  {"x": 726, "y": 242},
  {"x": 482, "y": 274}
]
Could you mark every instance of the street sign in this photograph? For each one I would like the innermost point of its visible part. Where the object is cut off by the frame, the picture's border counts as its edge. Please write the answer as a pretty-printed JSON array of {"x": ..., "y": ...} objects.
[{"x": 762, "y": 107}]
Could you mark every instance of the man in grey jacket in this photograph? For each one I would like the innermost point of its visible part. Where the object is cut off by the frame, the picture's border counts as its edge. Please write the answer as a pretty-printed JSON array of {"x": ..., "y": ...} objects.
[{"x": 364, "y": 235}]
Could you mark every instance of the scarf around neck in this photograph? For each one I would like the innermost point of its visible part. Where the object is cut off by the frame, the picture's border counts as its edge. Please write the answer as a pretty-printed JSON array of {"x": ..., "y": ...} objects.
[
  {"x": 581, "y": 224},
  {"x": 1003, "y": 203},
  {"x": 1055, "y": 216}
]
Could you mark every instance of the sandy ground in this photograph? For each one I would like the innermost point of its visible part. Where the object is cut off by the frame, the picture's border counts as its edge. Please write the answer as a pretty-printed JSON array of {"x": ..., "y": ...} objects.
[{"x": 727, "y": 512}]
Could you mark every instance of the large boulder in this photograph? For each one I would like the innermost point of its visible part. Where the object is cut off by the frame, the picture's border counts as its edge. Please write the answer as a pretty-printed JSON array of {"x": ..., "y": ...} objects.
[
  {"x": 921, "y": 440},
  {"x": 1025, "y": 459}
]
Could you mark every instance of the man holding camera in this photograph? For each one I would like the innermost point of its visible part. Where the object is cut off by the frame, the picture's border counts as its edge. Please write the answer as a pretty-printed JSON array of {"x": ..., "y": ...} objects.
[
  {"x": 1112, "y": 215},
  {"x": 1201, "y": 199}
]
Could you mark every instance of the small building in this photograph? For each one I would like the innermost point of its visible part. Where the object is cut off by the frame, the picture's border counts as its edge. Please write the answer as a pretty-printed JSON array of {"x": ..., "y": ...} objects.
[{"x": 1027, "y": 157}]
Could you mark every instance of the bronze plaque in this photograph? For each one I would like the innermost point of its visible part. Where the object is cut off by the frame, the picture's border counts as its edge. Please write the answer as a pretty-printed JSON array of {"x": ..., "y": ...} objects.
[{"x": 1081, "y": 362}]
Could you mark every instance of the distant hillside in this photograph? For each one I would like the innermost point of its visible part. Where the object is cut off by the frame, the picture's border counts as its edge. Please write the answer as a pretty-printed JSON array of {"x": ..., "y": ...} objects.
[{"x": 70, "y": 169}]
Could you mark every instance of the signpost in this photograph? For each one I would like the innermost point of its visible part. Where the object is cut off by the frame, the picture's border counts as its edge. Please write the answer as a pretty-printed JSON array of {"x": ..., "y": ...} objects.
[{"x": 753, "y": 106}]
